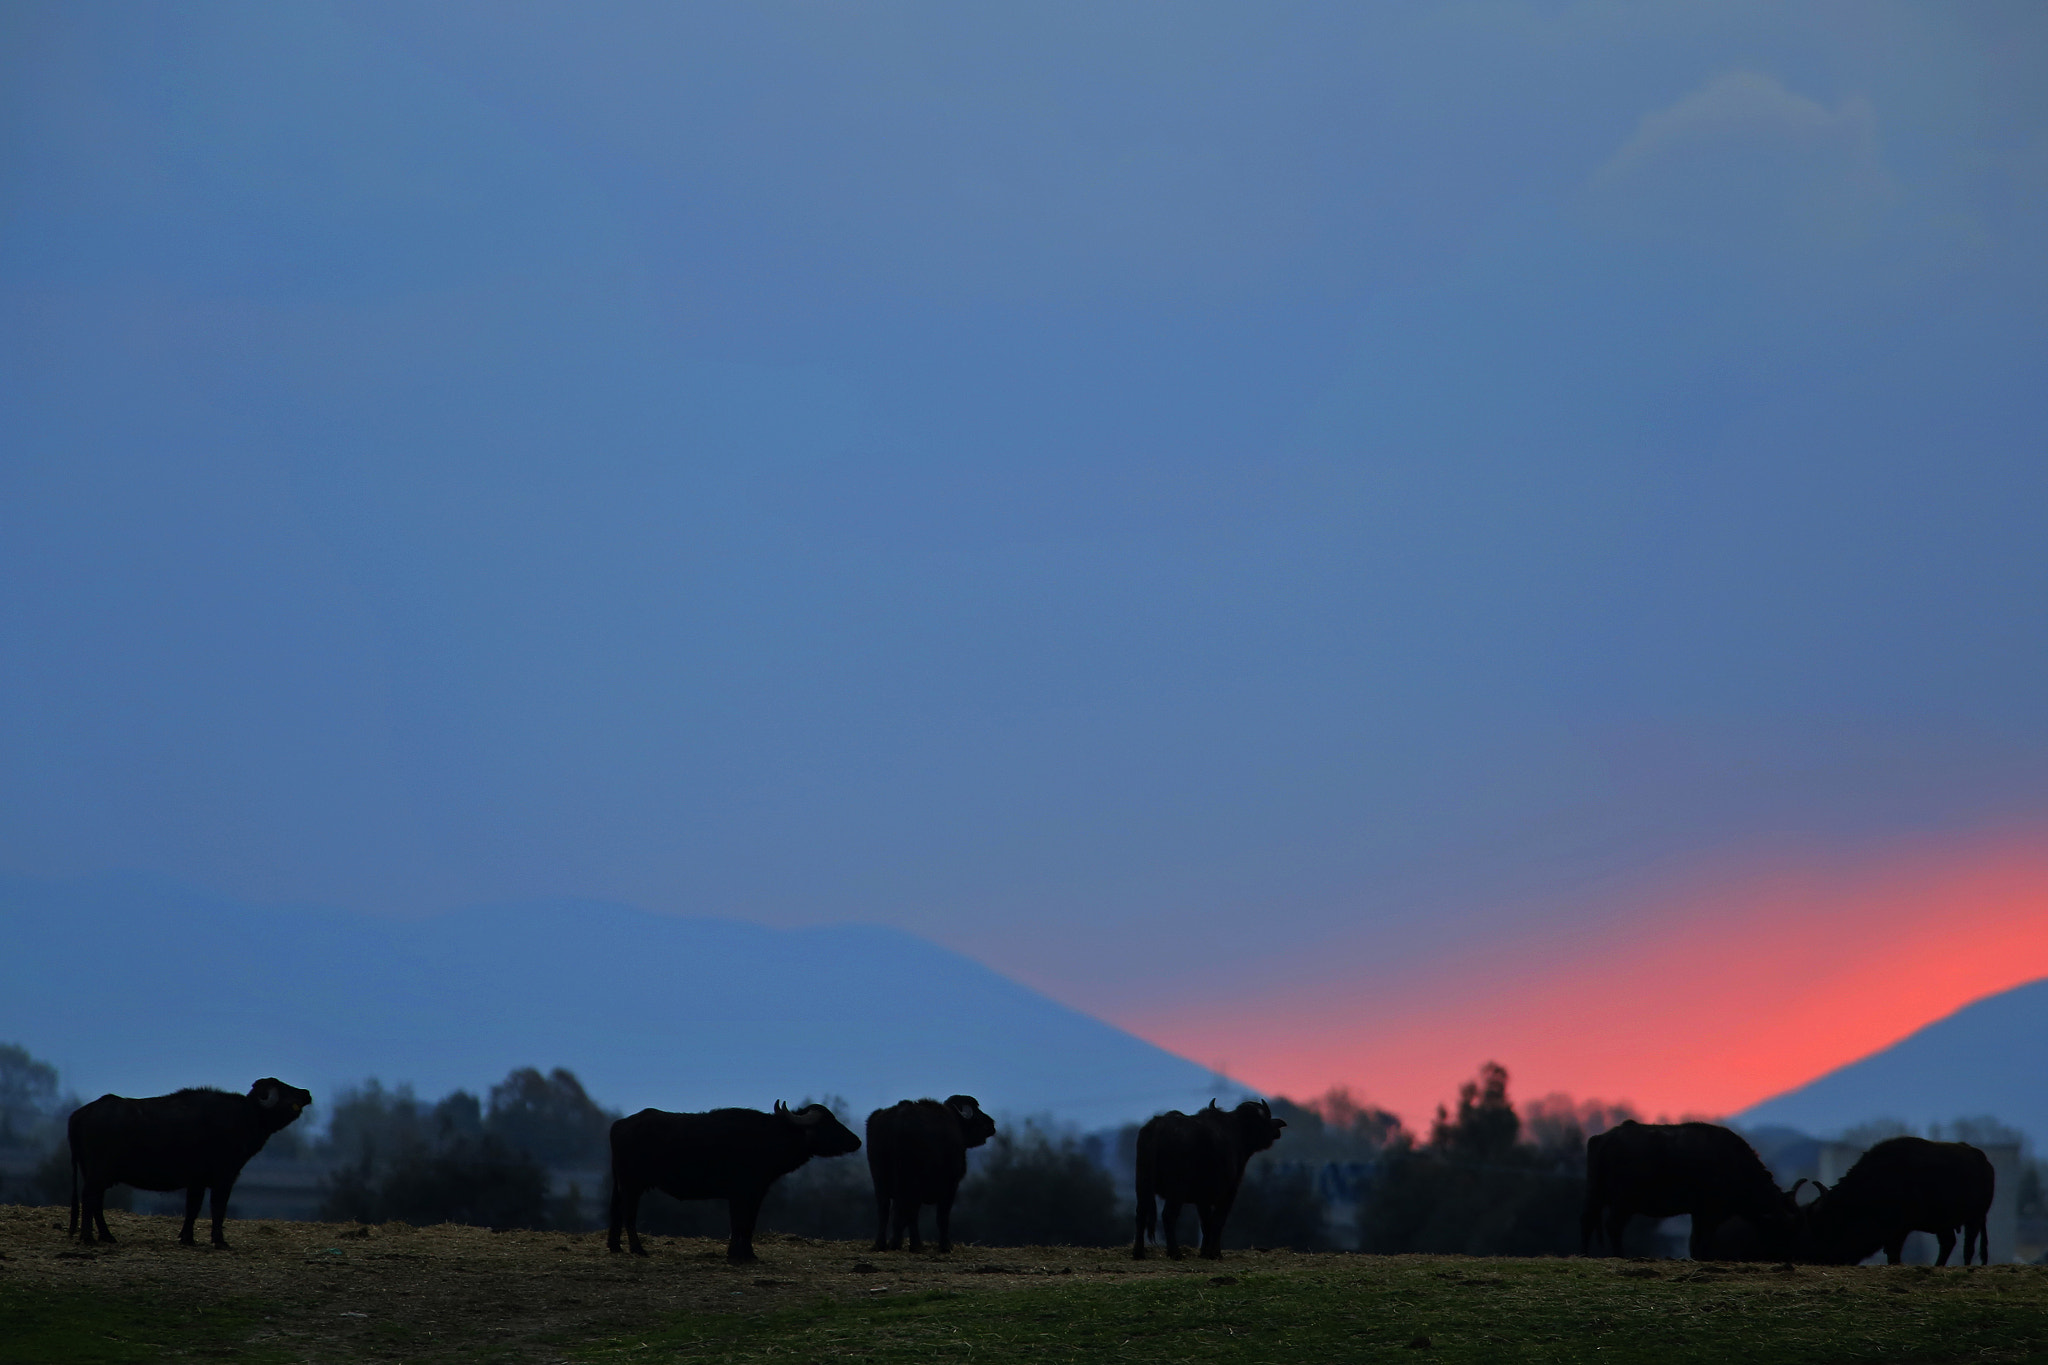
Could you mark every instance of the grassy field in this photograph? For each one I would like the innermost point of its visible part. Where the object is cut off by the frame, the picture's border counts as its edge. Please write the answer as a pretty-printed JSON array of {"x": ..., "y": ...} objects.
[{"x": 292, "y": 1292}]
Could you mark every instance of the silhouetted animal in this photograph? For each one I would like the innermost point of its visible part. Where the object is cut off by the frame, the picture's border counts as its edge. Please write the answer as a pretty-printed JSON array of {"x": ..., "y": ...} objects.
[
  {"x": 1661, "y": 1170},
  {"x": 194, "y": 1140},
  {"x": 729, "y": 1154},
  {"x": 1902, "y": 1185},
  {"x": 1198, "y": 1159},
  {"x": 917, "y": 1154}
]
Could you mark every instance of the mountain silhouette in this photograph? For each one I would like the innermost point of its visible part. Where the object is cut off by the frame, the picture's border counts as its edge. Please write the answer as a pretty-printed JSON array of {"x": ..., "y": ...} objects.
[
  {"x": 1989, "y": 1058},
  {"x": 136, "y": 987}
]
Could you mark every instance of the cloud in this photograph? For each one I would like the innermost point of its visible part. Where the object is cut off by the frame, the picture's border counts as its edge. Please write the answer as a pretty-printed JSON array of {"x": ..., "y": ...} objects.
[{"x": 1744, "y": 161}]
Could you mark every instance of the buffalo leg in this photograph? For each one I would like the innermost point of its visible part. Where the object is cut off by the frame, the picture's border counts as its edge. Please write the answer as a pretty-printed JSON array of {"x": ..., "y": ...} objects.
[
  {"x": 902, "y": 1218},
  {"x": 884, "y": 1207},
  {"x": 1171, "y": 1219},
  {"x": 1701, "y": 1245},
  {"x": 626, "y": 1216},
  {"x": 94, "y": 1204},
  {"x": 193, "y": 1194},
  {"x": 220, "y": 1213},
  {"x": 745, "y": 1211},
  {"x": 1946, "y": 1239},
  {"x": 1212, "y": 1235},
  {"x": 1895, "y": 1250},
  {"x": 88, "y": 1197},
  {"x": 943, "y": 1216},
  {"x": 1147, "y": 1210},
  {"x": 1617, "y": 1223},
  {"x": 1209, "y": 1217},
  {"x": 1974, "y": 1235}
]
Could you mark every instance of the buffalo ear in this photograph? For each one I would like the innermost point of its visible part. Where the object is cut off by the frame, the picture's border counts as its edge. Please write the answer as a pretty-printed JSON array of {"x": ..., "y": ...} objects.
[{"x": 810, "y": 1116}]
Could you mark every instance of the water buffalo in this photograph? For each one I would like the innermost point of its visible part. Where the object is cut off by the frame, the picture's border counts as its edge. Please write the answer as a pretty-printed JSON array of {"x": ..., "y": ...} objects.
[
  {"x": 1661, "y": 1170},
  {"x": 1198, "y": 1159},
  {"x": 917, "y": 1154},
  {"x": 729, "y": 1154},
  {"x": 193, "y": 1140},
  {"x": 1900, "y": 1186}
]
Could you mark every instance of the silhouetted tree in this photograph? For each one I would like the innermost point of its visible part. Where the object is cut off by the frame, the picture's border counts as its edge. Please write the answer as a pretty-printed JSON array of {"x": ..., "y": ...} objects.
[
  {"x": 1031, "y": 1189},
  {"x": 28, "y": 1097},
  {"x": 32, "y": 1120},
  {"x": 476, "y": 1180},
  {"x": 1359, "y": 1130},
  {"x": 1473, "y": 1188},
  {"x": 1277, "y": 1206},
  {"x": 1486, "y": 1126},
  {"x": 367, "y": 1124},
  {"x": 550, "y": 1117},
  {"x": 397, "y": 1158},
  {"x": 833, "y": 1199}
]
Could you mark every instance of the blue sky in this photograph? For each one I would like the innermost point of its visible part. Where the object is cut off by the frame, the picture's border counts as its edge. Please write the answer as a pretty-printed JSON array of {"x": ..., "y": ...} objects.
[{"x": 1160, "y": 497}]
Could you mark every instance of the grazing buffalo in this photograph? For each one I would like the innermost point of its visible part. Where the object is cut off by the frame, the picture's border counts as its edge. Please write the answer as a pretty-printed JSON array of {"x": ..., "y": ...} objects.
[
  {"x": 1902, "y": 1185},
  {"x": 917, "y": 1154},
  {"x": 729, "y": 1154},
  {"x": 194, "y": 1140},
  {"x": 1198, "y": 1159},
  {"x": 1661, "y": 1170}
]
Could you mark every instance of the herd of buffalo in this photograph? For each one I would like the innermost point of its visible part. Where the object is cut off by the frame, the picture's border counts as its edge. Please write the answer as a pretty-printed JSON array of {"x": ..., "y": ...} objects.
[{"x": 199, "y": 1140}]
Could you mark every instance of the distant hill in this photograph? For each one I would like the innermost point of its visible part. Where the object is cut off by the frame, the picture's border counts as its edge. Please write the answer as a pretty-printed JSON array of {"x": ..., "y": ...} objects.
[
  {"x": 138, "y": 988},
  {"x": 1990, "y": 1057}
]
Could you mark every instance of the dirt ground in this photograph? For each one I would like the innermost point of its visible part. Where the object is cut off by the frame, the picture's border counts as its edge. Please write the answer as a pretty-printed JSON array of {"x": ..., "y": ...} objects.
[{"x": 393, "y": 1292}]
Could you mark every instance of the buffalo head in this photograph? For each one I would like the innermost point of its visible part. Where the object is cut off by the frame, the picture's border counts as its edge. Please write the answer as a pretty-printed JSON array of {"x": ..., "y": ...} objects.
[
  {"x": 975, "y": 1126},
  {"x": 1253, "y": 1120},
  {"x": 824, "y": 1134},
  {"x": 280, "y": 1103}
]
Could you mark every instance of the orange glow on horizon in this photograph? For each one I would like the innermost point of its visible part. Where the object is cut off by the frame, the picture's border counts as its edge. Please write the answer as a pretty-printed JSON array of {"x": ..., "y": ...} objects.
[{"x": 1702, "y": 999}]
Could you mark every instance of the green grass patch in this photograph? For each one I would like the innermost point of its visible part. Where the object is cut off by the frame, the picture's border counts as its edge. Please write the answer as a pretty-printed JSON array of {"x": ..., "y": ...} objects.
[
  {"x": 1409, "y": 1309},
  {"x": 90, "y": 1327}
]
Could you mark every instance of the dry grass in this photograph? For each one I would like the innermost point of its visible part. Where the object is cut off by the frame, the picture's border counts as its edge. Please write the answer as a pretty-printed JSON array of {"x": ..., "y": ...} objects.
[
  {"x": 323, "y": 1292},
  {"x": 393, "y": 1292}
]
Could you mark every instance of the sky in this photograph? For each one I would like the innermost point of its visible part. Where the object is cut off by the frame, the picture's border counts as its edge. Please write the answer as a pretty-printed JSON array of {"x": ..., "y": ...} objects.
[{"x": 1350, "y": 540}]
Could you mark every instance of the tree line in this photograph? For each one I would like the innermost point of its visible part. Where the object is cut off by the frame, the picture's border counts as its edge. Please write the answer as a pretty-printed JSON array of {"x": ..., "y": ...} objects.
[{"x": 1486, "y": 1179}]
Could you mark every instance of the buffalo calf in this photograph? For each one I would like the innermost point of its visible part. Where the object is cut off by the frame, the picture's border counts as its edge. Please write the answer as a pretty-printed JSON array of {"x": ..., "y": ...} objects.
[
  {"x": 1198, "y": 1159},
  {"x": 729, "y": 1154},
  {"x": 194, "y": 1140},
  {"x": 917, "y": 1154}
]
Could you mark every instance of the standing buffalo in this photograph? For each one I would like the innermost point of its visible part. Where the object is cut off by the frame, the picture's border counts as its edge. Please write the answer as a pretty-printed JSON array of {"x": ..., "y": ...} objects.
[
  {"x": 1903, "y": 1185},
  {"x": 1661, "y": 1170},
  {"x": 917, "y": 1154},
  {"x": 194, "y": 1140},
  {"x": 729, "y": 1154},
  {"x": 1198, "y": 1159}
]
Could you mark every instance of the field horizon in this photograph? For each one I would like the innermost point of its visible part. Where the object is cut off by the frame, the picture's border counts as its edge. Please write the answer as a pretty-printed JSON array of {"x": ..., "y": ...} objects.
[{"x": 332, "y": 1292}]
